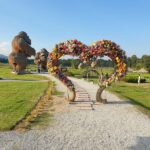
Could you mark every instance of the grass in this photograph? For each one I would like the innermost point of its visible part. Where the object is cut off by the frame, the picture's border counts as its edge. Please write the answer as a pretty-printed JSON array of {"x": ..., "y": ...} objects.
[
  {"x": 58, "y": 93},
  {"x": 41, "y": 121},
  {"x": 5, "y": 72},
  {"x": 80, "y": 72},
  {"x": 138, "y": 94},
  {"x": 16, "y": 99},
  {"x": 75, "y": 72}
]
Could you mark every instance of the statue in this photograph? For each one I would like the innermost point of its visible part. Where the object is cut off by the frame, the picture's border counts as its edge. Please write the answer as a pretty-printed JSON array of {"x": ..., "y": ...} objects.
[
  {"x": 41, "y": 60},
  {"x": 21, "y": 50}
]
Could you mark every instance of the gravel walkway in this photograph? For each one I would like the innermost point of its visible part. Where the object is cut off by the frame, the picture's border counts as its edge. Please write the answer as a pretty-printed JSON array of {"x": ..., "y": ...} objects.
[{"x": 117, "y": 125}]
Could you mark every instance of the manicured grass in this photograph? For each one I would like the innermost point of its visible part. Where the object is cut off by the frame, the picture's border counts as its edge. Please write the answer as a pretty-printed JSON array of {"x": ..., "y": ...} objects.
[
  {"x": 80, "y": 72},
  {"x": 16, "y": 99},
  {"x": 5, "y": 72},
  {"x": 75, "y": 72},
  {"x": 138, "y": 94}
]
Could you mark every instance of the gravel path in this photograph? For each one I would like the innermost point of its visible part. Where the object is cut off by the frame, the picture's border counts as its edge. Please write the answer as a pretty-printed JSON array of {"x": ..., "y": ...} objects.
[{"x": 117, "y": 125}]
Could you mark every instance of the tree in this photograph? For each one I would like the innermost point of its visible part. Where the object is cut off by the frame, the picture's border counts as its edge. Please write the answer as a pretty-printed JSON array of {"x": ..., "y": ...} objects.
[
  {"x": 146, "y": 62},
  {"x": 133, "y": 61},
  {"x": 129, "y": 63},
  {"x": 139, "y": 66}
]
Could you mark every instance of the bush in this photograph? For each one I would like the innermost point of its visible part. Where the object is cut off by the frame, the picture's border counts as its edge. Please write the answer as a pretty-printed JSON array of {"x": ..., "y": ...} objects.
[
  {"x": 68, "y": 73},
  {"x": 148, "y": 69},
  {"x": 133, "y": 80}
]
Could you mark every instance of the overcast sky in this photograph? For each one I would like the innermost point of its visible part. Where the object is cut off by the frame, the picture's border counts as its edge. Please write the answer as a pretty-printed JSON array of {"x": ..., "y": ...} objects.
[{"x": 49, "y": 22}]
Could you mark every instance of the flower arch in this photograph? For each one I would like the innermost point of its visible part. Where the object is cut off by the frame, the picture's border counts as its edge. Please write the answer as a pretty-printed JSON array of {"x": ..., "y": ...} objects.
[{"x": 87, "y": 54}]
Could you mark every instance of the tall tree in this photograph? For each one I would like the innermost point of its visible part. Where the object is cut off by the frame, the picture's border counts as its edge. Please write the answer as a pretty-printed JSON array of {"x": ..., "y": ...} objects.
[
  {"x": 146, "y": 61},
  {"x": 133, "y": 61},
  {"x": 129, "y": 63}
]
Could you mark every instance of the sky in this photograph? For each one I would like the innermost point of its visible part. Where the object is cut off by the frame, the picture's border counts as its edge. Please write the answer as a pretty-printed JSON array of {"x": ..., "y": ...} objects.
[{"x": 49, "y": 22}]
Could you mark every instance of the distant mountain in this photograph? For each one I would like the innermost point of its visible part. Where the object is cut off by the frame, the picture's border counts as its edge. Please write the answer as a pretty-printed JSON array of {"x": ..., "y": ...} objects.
[
  {"x": 3, "y": 59},
  {"x": 3, "y": 56}
]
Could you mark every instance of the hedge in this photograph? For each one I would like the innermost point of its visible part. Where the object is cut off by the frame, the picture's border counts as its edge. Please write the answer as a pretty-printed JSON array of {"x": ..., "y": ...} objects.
[{"x": 133, "y": 80}]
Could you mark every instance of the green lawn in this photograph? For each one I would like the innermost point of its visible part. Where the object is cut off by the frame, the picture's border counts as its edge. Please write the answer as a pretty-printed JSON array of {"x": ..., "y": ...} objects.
[
  {"x": 16, "y": 99},
  {"x": 5, "y": 72},
  {"x": 80, "y": 72},
  {"x": 138, "y": 94}
]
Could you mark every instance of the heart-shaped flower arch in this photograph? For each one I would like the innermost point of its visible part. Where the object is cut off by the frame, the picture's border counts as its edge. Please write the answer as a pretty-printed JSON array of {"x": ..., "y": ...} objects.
[{"x": 86, "y": 54}]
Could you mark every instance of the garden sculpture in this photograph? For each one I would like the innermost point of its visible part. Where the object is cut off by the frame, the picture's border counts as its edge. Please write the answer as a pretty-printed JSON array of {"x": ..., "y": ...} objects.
[
  {"x": 41, "y": 59},
  {"x": 88, "y": 54},
  {"x": 21, "y": 50}
]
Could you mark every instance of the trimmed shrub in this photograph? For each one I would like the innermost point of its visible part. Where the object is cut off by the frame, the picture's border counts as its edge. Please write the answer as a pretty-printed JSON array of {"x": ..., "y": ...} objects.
[{"x": 133, "y": 80}]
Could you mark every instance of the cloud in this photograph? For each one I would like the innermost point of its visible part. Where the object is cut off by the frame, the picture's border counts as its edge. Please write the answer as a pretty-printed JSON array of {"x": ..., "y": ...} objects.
[{"x": 4, "y": 48}]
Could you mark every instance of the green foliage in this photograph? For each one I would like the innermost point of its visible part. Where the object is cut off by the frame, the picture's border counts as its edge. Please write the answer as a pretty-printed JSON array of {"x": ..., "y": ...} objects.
[
  {"x": 139, "y": 66},
  {"x": 134, "y": 75},
  {"x": 75, "y": 72},
  {"x": 138, "y": 63},
  {"x": 133, "y": 61},
  {"x": 69, "y": 73},
  {"x": 129, "y": 63},
  {"x": 105, "y": 63},
  {"x": 73, "y": 63},
  {"x": 16, "y": 99},
  {"x": 31, "y": 61},
  {"x": 69, "y": 63},
  {"x": 133, "y": 80},
  {"x": 148, "y": 69},
  {"x": 138, "y": 94},
  {"x": 146, "y": 61}
]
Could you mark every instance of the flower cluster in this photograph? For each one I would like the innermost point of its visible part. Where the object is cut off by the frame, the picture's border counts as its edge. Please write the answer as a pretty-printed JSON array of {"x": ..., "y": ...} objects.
[
  {"x": 87, "y": 53},
  {"x": 115, "y": 53}
]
